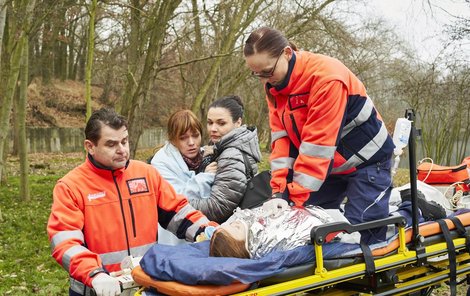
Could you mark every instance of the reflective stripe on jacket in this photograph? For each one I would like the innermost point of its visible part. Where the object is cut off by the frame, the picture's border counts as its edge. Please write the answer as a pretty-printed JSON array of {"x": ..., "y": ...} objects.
[
  {"x": 322, "y": 123},
  {"x": 100, "y": 216}
]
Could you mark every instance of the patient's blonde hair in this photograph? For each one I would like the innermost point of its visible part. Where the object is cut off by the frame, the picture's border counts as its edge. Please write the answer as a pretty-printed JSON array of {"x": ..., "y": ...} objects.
[{"x": 224, "y": 245}]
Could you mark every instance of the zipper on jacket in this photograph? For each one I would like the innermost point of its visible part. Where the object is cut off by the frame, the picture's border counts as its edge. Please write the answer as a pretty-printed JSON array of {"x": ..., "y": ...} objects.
[
  {"x": 122, "y": 213},
  {"x": 294, "y": 127},
  {"x": 282, "y": 119},
  {"x": 133, "y": 218}
]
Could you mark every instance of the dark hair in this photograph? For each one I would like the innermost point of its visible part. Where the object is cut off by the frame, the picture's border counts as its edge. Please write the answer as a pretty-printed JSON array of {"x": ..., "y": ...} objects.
[
  {"x": 232, "y": 103},
  {"x": 104, "y": 116},
  {"x": 180, "y": 122},
  {"x": 224, "y": 245},
  {"x": 266, "y": 39}
]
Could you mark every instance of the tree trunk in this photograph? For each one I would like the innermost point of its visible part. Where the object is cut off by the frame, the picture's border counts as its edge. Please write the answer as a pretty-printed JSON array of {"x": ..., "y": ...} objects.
[
  {"x": 139, "y": 83},
  {"x": 15, "y": 63},
  {"x": 89, "y": 63},
  {"x": 134, "y": 52},
  {"x": 78, "y": 66},
  {"x": 3, "y": 179},
  {"x": 3, "y": 12},
  {"x": 197, "y": 26},
  {"x": 16, "y": 138},
  {"x": 21, "y": 119},
  {"x": 46, "y": 53},
  {"x": 109, "y": 79},
  {"x": 71, "y": 53},
  {"x": 81, "y": 61},
  {"x": 62, "y": 56},
  {"x": 34, "y": 56}
]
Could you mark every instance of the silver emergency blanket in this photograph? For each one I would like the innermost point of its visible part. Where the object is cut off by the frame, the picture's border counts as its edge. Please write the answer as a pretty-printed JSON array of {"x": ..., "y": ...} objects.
[{"x": 285, "y": 231}]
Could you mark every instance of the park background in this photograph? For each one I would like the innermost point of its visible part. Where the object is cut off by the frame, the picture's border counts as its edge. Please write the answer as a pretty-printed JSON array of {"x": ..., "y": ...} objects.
[{"x": 59, "y": 60}]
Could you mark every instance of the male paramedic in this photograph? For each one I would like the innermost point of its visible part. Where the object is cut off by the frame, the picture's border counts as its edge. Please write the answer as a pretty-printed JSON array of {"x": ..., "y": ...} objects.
[
  {"x": 328, "y": 140},
  {"x": 109, "y": 208}
]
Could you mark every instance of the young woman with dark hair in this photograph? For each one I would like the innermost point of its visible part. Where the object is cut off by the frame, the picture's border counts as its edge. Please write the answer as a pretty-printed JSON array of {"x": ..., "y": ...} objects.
[{"x": 234, "y": 144}]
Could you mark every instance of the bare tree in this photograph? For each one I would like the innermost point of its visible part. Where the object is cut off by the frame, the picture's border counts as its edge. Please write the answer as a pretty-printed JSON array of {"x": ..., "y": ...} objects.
[
  {"x": 147, "y": 37},
  {"x": 16, "y": 45},
  {"x": 89, "y": 60},
  {"x": 3, "y": 12},
  {"x": 21, "y": 120},
  {"x": 228, "y": 26}
]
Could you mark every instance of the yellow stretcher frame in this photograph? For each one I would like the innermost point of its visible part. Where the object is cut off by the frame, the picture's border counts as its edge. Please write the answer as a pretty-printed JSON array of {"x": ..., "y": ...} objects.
[{"x": 411, "y": 276}]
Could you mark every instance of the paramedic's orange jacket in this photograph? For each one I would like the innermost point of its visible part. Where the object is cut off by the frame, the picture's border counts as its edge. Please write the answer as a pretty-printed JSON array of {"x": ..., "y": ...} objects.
[
  {"x": 322, "y": 123},
  {"x": 100, "y": 216}
]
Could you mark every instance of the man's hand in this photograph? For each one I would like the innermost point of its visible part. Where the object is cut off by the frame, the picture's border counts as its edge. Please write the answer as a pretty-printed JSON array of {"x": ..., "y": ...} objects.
[
  {"x": 275, "y": 206},
  {"x": 106, "y": 285}
]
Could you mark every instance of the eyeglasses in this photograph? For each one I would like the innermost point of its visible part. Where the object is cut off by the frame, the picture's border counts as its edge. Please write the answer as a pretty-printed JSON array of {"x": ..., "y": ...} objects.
[{"x": 270, "y": 73}]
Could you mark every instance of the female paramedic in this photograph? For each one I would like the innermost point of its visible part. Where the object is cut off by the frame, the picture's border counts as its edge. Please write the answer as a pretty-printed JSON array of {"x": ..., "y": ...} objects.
[{"x": 328, "y": 140}]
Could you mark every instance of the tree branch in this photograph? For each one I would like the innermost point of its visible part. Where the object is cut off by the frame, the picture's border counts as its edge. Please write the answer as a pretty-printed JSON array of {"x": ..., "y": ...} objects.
[{"x": 193, "y": 61}]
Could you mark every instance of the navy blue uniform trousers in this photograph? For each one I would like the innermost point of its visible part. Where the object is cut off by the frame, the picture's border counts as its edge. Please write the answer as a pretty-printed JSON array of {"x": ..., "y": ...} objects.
[{"x": 366, "y": 192}]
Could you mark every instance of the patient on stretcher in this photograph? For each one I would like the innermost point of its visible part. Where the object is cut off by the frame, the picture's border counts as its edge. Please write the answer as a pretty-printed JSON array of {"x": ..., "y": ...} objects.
[
  {"x": 273, "y": 243},
  {"x": 253, "y": 233}
]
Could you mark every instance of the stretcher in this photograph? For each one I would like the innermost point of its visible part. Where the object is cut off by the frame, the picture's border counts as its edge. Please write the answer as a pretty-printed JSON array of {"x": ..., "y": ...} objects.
[{"x": 413, "y": 262}]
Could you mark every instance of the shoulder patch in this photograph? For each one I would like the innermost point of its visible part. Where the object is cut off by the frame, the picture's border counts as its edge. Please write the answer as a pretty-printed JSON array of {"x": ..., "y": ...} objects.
[{"x": 138, "y": 185}]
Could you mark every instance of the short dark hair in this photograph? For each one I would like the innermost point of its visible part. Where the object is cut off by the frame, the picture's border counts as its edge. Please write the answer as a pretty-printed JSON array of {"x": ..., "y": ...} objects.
[
  {"x": 266, "y": 39},
  {"x": 232, "y": 103},
  {"x": 103, "y": 116}
]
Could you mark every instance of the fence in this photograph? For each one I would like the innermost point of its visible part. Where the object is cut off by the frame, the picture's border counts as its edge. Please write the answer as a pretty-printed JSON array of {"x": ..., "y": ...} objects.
[{"x": 71, "y": 139}]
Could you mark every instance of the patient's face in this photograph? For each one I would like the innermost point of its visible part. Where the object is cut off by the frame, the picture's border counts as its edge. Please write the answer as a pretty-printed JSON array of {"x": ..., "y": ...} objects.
[{"x": 236, "y": 229}]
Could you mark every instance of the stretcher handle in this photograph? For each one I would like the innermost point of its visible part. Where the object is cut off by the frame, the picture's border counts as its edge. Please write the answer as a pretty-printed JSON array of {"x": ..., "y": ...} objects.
[{"x": 319, "y": 233}]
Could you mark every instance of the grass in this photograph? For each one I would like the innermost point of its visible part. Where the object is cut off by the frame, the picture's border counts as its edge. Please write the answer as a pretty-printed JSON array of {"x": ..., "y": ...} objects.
[{"x": 26, "y": 265}]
